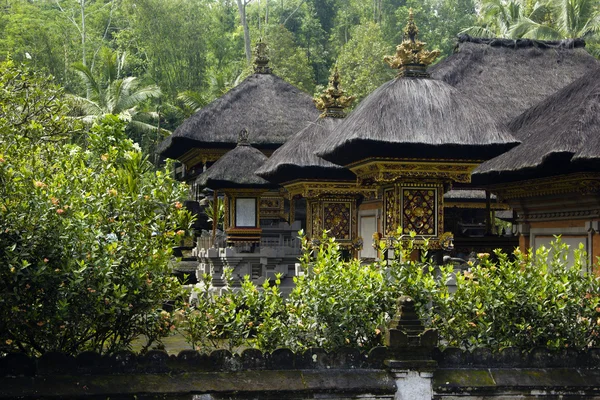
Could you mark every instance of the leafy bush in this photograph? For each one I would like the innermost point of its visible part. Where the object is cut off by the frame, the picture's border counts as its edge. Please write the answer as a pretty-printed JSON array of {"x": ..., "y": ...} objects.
[
  {"x": 86, "y": 227},
  {"x": 526, "y": 301},
  {"x": 523, "y": 300},
  {"x": 237, "y": 316},
  {"x": 334, "y": 304}
]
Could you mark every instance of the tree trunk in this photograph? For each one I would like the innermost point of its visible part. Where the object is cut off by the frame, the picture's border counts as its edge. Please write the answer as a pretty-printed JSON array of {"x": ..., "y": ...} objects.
[{"x": 242, "y": 9}]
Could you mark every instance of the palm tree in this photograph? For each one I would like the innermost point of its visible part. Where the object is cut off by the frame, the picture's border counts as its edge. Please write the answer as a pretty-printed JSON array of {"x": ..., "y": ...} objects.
[
  {"x": 550, "y": 20},
  {"x": 500, "y": 18},
  {"x": 569, "y": 19},
  {"x": 123, "y": 97}
]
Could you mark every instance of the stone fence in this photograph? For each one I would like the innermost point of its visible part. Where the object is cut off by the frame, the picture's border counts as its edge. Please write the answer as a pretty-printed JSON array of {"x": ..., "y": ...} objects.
[{"x": 409, "y": 367}]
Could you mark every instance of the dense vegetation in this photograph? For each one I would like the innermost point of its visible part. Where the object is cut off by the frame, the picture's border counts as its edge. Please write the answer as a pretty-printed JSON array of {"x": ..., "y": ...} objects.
[
  {"x": 86, "y": 227},
  {"x": 522, "y": 300},
  {"x": 184, "y": 53}
]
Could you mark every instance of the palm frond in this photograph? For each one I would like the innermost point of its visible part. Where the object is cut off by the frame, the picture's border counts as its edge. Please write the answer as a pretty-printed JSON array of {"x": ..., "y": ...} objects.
[
  {"x": 113, "y": 96},
  {"x": 144, "y": 127},
  {"x": 86, "y": 74},
  {"x": 134, "y": 96},
  {"x": 83, "y": 106},
  {"x": 479, "y": 31},
  {"x": 192, "y": 100}
]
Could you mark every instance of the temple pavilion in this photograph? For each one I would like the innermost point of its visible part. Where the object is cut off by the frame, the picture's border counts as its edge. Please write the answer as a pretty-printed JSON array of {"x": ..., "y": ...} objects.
[{"x": 502, "y": 128}]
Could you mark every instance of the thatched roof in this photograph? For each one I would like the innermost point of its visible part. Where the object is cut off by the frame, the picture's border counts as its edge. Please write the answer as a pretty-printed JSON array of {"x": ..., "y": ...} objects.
[
  {"x": 560, "y": 134},
  {"x": 235, "y": 170},
  {"x": 296, "y": 159},
  {"x": 509, "y": 76},
  {"x": 475, "y": 195},
  {"x": 417, "y": 118},
  {"x": 271, "y": 109}
]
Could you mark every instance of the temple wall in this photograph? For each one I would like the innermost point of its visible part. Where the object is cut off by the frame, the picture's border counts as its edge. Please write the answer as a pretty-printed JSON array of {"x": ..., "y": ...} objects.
[{"x": 315, "y": 374}]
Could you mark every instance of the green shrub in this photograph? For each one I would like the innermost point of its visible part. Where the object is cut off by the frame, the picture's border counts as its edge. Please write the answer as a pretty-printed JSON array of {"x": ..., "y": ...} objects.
[
  {"x": 234, "y": 316},
  {"x": 336, "y": 303},
  {"x": 519, "y": 300},
  {"x": 526, "y": 301},
  {"x": 86, "y": 227}
]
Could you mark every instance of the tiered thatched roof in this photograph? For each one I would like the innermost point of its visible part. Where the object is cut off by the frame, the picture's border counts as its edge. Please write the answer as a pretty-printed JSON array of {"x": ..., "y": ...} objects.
[
  {"x": 296, "y": 159},
  {"x": 508, "y": 76},
  {"x": 270, "y": 108},
  {"x": 417, "y": 118},
  {"x": 561, "y": 134},
  {"x": 235, "y": 170}
]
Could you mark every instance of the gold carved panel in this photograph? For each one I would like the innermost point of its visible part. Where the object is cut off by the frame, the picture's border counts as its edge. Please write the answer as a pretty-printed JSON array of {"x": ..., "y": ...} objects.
[
  {"x": 419, "y": 211},
  {"x": 337, "y": 219},
  {"x": 389, "y": 209},
  {"x": 272, "y": 207}
]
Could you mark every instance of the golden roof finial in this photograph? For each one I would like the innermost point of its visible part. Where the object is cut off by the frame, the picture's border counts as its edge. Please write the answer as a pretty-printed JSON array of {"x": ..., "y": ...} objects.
[
  {"x": 261, "y": 58},
  {"x": 333, "y": 101},
  {"x": 411, "y": 58}
]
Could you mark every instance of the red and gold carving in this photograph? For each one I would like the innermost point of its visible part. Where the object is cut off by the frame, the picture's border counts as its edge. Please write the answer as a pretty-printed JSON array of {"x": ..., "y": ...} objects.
[
  {"x": 389, "y": 207},
  {"x": 337, "y": 218},
  {"x": 419, "y": 211}
]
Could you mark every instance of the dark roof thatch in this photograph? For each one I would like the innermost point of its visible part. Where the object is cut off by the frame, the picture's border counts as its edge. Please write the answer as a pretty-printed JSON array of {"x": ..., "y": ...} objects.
[
  {"x": 235, "y": 170},
  {"x": 560, "y": 134},
  {"x": 417, "y": 118},
  {"x": 296, "y": 159},
  {"x": 475, "y": 195},
  {"x": 509, "y": 76},
  {"x": 271, "y": 109}
]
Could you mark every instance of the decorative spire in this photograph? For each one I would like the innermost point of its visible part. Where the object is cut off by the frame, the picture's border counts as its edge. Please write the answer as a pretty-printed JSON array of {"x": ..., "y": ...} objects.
[
  {"x": 243, "y": 138},
  {"x": 411, "y": 58},
  {"x": 333, "y": 101},
  {"x": 261, "y": 58}
]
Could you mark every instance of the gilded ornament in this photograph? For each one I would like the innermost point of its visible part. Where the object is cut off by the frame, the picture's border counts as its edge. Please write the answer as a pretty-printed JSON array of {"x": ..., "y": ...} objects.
[
  {"x": 411, "y": 58},
  {"x": 333, "y": 101}
]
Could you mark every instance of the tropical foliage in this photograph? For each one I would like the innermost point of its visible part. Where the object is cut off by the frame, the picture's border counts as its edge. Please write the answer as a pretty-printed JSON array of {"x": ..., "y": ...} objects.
[
  {"x": 86, "y": 227},
  {"x": 200, "y": 47},
  {"x": 522, "y": 300}
]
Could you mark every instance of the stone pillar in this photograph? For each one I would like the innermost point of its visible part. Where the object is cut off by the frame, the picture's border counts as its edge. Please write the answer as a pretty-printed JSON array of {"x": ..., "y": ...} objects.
[{"x": 410, "y": 346}]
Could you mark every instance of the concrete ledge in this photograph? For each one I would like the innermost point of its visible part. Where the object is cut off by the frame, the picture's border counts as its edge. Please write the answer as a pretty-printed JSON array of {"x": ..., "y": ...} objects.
[
  {"x": 354, "y": 382},
  {"x": 516, "y": 380}
]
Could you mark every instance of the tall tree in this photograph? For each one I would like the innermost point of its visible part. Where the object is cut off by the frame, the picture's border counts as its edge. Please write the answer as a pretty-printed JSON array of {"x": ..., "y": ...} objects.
[
  {"x": 361, "y": 64},
  {"x": 172, "y": 49},
  {"x": 242, "y": 10}
]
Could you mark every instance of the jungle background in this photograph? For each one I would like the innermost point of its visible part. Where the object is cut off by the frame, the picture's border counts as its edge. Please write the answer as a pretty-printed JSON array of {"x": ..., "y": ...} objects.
[{"x": 154, "y": 62}]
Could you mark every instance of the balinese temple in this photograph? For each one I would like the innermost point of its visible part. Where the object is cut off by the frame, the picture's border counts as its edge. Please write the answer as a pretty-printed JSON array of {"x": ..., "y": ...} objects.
[
  {"x": 329, "y": 191},
  {"x": 271, "y": 109},
  {"x": 244, "y": 251},
  {"x": 233, "y": 174},
  {"x": 412, "y": 139},
  {"x": 435, "y": 151},
  {"x": 552, "y": 179}
]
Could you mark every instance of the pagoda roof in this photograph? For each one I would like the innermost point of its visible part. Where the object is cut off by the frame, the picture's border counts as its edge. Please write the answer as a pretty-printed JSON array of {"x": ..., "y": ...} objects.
[
  {"x": 508, "y": 76},
  {"x": 561, "y": 134},
  {"x": 269, "y": 107},
  {"x": 235, "y": 170},
  {"x": 412, "y": 117},
  {"x": 296, "y": 159}
]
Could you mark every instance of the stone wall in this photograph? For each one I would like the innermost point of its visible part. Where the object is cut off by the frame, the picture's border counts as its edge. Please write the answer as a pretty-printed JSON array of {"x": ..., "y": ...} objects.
[
  {"x": 383, "y": 373},
  {"x": 409, "y": 367}
]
